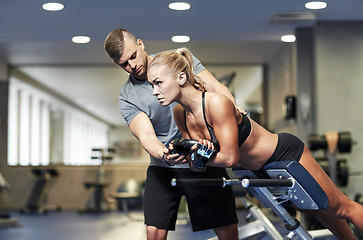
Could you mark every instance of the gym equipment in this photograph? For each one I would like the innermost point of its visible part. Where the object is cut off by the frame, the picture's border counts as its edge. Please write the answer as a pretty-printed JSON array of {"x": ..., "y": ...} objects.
[
  {"x": 290, "y": 102},
  {"x": 3, "y": 183},
  {"x": 129, "y": 194},
  {"x": 5, "y": 219},
  {"x": 342, "y": 170},
  {"x": 37, "y": 200},
  {"x": 98, "y": 202},
  {"x": 199, "y": 157},
  {"x": 337, "y": 169},
  {"x": 286, "y": 181},
  {"x": 345, "y": 142},
  {"x": 258, "y": 225},
  {"x": 182, "y": 146}
]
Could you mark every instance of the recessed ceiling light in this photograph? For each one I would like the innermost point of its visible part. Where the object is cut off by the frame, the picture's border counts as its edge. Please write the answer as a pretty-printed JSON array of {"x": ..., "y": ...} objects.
[
  {"x": 53, "y": 6},
  {"x": 179, "y": 6},
  {"x": 316, "y": 5},
  {"x": 180, "y": 39},
  {"x": 81, "y": 39},
  {"x": 288, "y": 38}
]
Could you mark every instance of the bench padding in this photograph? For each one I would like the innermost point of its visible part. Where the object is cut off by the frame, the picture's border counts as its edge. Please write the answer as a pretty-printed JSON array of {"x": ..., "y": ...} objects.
[{"x": 304, "y": 178}]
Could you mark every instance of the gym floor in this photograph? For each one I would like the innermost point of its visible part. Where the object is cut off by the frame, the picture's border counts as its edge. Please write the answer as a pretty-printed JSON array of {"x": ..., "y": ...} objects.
[
  {"x": 114, "y": 225},
  {"x": 106, "y": 226}
]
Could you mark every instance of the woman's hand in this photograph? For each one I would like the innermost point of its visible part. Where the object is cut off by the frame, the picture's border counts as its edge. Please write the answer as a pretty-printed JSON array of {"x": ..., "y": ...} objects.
[{"x": 200, "y": 155}]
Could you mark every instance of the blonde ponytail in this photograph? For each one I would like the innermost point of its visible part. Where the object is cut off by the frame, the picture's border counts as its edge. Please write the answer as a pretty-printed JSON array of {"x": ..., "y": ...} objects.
[
  {"x": 179, "y": 61},
  {"x": 193, "y": 78}
]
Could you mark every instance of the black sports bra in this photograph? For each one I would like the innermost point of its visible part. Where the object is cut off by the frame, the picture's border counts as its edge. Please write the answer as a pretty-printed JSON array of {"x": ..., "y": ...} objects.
[{"x": 244, "y": 128}]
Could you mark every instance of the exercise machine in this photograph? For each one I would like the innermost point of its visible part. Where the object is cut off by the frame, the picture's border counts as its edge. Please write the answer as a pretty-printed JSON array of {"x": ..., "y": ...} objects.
[
  {"x": 285, "y": 181},
  {"x": 98, "y": 202},
  {"x": 258, "y": 225},
  {"x": 37, "y": 201},
  {"x": 279, "y": 183},
  {"x": 128, "y": 196},
  {"x": 5, "y": 218},
  {"x": 332, "y": 143}
]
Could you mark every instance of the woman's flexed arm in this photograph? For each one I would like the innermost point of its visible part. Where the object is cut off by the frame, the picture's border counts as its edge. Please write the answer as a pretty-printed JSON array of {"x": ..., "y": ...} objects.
[{"x": 221, "y": 115}]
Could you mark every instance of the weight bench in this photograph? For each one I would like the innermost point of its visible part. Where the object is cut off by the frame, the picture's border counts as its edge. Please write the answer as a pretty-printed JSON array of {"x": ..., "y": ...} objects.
[{"x": 285, "y": 181}]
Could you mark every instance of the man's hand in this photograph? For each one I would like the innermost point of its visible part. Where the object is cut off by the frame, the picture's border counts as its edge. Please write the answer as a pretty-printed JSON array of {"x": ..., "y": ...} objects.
[
  {"x": 241, "y": 110},
  {"x": 173, "y": 158}
]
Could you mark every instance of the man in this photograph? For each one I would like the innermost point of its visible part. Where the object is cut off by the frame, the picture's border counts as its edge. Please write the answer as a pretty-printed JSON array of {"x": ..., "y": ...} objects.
[{"x": 153, "y": 125}]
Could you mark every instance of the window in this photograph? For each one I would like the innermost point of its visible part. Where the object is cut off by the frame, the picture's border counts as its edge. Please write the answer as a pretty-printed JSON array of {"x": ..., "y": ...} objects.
[{"x": 45, "y": 131}]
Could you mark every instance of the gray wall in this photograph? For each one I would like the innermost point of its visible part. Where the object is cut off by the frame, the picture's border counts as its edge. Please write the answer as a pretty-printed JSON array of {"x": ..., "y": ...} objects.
[
  {"x": 280, "y": 83},
  {"x": 339, "y": 85},
  {"x": 324, "y": 68}
]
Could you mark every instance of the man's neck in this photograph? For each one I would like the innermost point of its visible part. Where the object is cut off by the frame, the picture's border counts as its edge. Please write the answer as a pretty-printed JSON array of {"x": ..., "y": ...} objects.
[{"x": 139, "y": 79}]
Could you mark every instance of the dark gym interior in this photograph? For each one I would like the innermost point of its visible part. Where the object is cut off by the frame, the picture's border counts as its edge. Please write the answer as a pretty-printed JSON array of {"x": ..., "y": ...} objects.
[{"x": 75, "y": 171}]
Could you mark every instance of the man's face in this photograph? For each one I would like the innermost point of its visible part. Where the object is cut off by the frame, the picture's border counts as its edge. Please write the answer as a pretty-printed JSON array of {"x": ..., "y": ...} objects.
[{"x": 134, "y": 59}]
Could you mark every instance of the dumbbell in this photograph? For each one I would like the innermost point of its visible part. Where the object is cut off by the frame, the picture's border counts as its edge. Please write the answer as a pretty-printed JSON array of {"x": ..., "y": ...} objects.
[
  {"x": 342, "y": 173},
  {"x": 345, "y": 142}
]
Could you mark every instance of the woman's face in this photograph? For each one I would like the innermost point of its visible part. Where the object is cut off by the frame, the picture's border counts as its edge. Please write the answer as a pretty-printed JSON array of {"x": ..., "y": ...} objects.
[{"x": 165, "y": 84}]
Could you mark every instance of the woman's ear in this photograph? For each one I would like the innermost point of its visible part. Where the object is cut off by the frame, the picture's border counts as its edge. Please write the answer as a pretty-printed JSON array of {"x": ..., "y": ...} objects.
[{"x": 182, "y": 77}]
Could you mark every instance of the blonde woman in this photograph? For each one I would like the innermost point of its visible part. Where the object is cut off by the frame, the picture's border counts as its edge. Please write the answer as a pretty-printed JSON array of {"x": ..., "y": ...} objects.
[{"x": 239, "y": 141}]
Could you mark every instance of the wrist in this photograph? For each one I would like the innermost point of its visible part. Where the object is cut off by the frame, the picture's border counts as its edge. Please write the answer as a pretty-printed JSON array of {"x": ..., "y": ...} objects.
[{"x": 199, "y": 162}]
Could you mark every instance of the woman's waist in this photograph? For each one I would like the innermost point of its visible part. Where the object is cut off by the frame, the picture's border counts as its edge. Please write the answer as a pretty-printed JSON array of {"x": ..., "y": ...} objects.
[{"x": 255, "y": 152}]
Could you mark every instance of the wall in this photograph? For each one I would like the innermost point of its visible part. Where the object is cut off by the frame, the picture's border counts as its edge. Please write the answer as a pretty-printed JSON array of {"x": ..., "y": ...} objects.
[
  {"x": 339, "y": 84},
  {"x": 281, "y": 82},
  {"x": 3, "y": 109},
  {"x": 68, "y": 188},
  {"x": 324, "y": 70},
  {"x": 4, "y": 86}
]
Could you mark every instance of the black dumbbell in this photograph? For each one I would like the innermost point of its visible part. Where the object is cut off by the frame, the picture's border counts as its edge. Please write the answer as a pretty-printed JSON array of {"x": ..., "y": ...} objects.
[{"x": 345, "y": 142}]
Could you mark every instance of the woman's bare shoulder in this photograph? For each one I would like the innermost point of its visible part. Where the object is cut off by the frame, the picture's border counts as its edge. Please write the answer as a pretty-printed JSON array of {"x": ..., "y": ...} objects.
[
  {"x": 217, "y": 100},
  {"x": 219, "y": 108}
]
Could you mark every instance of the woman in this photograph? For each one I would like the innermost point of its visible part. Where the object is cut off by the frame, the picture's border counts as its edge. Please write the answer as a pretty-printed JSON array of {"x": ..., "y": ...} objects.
[{"x": 238, "y": 140}]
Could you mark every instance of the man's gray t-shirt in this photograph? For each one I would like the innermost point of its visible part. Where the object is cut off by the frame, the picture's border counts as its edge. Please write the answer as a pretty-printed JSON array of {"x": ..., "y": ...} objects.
[{"x": 136, "y": 97}]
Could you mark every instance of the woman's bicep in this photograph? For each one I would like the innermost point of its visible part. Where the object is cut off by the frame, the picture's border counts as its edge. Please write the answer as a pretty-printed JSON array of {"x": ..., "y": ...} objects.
[{"x": 226, "y": 130}]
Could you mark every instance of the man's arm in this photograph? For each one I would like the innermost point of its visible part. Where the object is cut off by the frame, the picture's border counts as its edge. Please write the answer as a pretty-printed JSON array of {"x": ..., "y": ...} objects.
[
  {"x": 143, "y": 130},
  {"x": 213, "y": 85}
]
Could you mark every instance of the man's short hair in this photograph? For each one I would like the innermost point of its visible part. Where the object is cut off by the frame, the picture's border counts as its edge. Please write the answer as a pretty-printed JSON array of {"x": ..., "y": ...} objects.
[{"x": 114, "y": 43}]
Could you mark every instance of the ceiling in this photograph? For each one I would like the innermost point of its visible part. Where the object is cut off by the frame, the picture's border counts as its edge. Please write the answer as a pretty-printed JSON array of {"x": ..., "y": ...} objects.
[{"x": 38, "y": 43}]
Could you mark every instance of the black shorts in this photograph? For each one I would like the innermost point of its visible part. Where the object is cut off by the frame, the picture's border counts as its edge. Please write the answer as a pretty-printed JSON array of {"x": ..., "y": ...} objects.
[
  {"x": 289, "y": 147},
  {"x": 209, "y": 207}
]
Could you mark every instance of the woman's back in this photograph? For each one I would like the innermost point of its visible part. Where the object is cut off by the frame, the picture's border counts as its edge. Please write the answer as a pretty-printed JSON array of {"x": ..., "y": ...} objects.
[{"x": 258, "y": 147}]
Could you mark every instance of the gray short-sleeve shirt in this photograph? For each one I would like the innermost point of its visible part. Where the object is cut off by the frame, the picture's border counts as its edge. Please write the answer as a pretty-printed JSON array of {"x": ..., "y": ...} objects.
[{"x": 136, "y": 97}]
